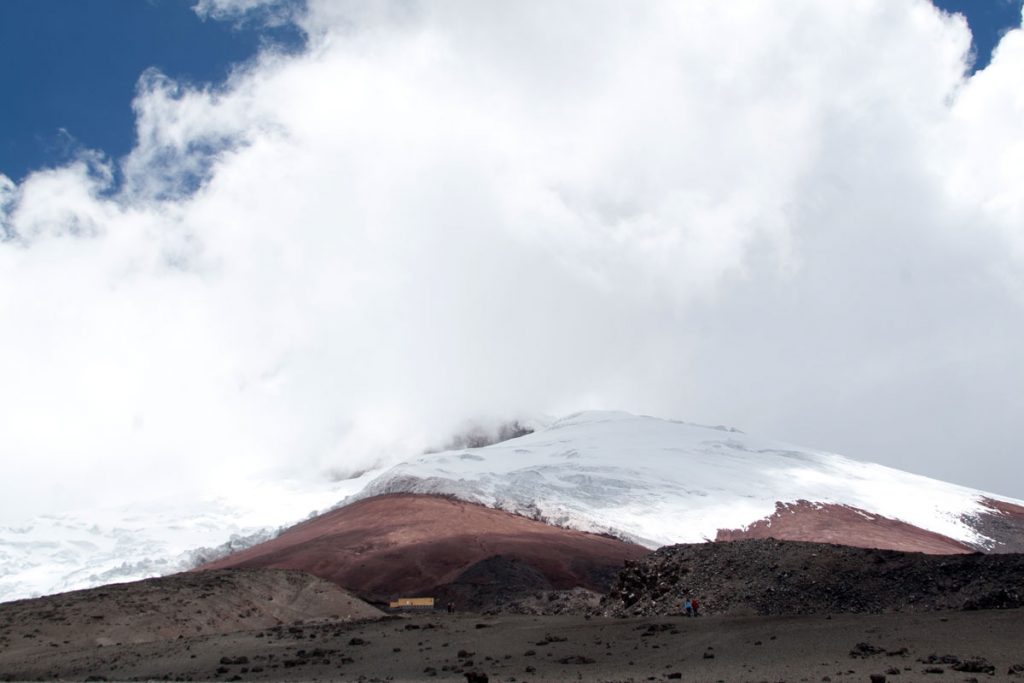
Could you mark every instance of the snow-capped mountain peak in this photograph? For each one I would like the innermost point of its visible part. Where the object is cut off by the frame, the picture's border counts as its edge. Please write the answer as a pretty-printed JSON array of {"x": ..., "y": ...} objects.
[
  {"x": 644, "y": 479},
  {"x": 661, "y": 481}
]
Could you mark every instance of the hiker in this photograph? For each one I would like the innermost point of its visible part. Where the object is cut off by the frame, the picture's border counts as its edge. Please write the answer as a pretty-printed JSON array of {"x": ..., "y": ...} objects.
[
  {"x": 694, "y": 605},
  {"x": 451, "y": 607},
  {"x": 688, "y": 608}
]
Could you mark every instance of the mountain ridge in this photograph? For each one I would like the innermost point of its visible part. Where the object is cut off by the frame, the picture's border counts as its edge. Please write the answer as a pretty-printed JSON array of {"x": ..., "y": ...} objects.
[
  {"x": 661, "y": 482},
  {"x": 638, "y": 478}
]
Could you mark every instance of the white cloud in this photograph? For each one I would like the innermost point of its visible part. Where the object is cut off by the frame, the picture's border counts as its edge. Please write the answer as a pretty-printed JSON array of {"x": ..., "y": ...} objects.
[
  {"x": 802, "y": 222},
  {"x": 268, "y": 11}
]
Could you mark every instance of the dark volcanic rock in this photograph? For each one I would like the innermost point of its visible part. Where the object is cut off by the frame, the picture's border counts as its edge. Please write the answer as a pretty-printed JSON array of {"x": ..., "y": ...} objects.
[
  {"x": 492, "y": 581},
  {"x": 999, "y": 598},
  {"x": 765, "y": 576},
  {"x": 975, "y": 665},
  {"x": 865, "y": 650}
]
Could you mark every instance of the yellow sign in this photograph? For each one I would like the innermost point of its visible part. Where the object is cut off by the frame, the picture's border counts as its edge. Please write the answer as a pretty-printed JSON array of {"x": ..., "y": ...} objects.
[{"x": 412, "y": 602}]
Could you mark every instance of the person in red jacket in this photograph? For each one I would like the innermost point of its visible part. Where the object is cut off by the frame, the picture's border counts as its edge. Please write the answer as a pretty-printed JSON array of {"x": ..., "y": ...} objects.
[{"x": 695, "y": 605}]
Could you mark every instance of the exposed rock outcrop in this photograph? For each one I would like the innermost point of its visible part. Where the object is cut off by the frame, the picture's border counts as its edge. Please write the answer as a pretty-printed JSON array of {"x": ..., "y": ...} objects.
[{"x": 762, "y": 576}]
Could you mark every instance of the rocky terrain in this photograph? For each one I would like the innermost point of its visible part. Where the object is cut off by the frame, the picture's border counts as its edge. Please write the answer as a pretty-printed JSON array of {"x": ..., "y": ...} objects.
[
  {"x": 762, "y": 621},
  {"x": 172, "y": 608},
  {"x": 771, "y": 577},
  {"x": 468, "y": 648},
  {"x": 530, "y": 608},
  {"x": 404, "y": 545},
  {"x": 179, "y": 605},
  {"x": 1003, "y": 522}
]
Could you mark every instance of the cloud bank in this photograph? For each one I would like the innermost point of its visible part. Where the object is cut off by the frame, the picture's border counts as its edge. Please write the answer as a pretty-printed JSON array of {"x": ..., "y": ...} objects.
[{"x": 805, "y": 222}]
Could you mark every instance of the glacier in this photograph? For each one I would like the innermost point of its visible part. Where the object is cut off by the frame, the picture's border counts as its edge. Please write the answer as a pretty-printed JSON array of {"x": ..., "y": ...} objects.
[
  {"x": 86, "y": 548},
  {"x": 658, "y": 482}
]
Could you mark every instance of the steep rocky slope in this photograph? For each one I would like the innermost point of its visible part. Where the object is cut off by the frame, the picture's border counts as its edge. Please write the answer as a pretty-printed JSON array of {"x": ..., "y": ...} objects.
[{"x": 763, "y": 576}]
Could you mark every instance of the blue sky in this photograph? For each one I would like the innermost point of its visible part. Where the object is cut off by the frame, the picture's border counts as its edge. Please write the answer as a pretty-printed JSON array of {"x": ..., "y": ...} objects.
[
  {"x": 988, "y": 20},
  {"x": 73, "y": 65}
]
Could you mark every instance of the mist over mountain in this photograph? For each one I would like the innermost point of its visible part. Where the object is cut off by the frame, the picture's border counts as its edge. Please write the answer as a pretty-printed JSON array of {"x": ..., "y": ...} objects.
[{"x": 804, "y": 222}]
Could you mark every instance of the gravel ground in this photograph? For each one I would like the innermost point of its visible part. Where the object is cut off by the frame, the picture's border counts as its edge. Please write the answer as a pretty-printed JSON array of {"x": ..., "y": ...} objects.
[{"x": 952, "y": 646}]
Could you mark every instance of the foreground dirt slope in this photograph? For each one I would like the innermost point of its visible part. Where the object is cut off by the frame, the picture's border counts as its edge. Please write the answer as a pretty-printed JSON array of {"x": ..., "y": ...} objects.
[
  {"x": 405, "y": 544},
  {"x": 963, "y": 646},
  {"x": 765, "y": 576},
  {"x": 171, "y": 607}
]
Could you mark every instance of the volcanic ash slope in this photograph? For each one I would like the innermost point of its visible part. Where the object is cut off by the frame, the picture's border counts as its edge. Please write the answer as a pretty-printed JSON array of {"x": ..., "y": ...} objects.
[{"x": 401, "y": 545}]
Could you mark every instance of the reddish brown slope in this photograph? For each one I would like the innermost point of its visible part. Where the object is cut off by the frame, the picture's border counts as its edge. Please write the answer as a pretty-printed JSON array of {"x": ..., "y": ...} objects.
[
  {"x": 845, "y": 525},
  {"x": 406, "y": 544}
]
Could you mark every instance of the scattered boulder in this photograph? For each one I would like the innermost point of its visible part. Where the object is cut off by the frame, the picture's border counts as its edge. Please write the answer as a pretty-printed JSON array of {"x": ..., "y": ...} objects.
[{"x": 975, "y": 665}]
